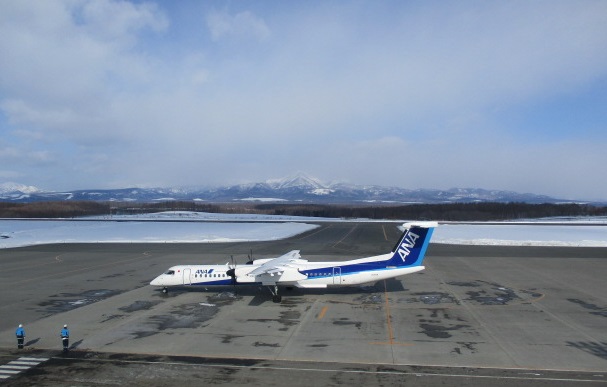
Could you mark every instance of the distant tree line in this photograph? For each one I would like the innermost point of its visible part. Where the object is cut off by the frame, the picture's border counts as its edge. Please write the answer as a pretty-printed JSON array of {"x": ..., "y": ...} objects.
[
  {"x": 444, "y": 212},
  {"x": 129, "y": 208},
  {"x": 52, "y": 209}
]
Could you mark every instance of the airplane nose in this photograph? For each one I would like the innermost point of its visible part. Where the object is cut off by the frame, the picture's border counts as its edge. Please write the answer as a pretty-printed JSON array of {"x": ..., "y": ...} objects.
[{"x": 156, "y": 282}]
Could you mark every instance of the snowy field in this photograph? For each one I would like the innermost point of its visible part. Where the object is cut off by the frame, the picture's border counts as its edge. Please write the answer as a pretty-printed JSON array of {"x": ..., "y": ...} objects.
[
  {"x": 16, "y": 233},
  {"x": 522, "y": 235},
  {"x": 187, "y": 227}
]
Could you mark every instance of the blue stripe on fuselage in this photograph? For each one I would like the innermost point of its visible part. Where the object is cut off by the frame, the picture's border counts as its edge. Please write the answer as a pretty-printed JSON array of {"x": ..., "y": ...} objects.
[
  {"x": 211, "y": 283},
  {"x": 347, "y": 269}
]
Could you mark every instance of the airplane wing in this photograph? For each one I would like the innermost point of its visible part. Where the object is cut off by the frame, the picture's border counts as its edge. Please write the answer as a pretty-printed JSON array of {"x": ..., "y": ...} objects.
[{"x": 277, "y": 265}]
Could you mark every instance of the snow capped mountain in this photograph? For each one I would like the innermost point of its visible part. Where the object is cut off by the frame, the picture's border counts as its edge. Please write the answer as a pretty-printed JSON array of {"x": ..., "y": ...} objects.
[
  {"x": 299, "y": 188},
  {"x": 299, "y": 181},
  {"x": 10, "y": 187}
]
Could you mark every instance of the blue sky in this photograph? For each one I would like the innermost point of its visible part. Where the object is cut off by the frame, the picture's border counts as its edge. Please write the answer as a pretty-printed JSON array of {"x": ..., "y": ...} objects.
[{"x": 417, "y": 94}]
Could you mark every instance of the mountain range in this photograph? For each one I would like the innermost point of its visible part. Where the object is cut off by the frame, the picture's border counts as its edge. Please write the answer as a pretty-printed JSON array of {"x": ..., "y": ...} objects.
[{"x": 299, "y": 188}]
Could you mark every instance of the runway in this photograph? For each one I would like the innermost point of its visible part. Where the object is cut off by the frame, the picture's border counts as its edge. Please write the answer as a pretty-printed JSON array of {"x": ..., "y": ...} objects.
[{"x": 488, "y": 315}]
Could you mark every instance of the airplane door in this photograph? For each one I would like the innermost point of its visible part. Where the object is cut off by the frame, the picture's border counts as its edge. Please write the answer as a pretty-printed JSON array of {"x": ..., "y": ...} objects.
[
  {"x": 336, "y": 275},
  {"x": 186, "y": 277}
]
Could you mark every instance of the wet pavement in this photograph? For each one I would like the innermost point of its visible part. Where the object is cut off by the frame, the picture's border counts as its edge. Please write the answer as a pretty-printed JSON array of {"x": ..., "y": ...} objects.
[{"x": 498, "y": 312}]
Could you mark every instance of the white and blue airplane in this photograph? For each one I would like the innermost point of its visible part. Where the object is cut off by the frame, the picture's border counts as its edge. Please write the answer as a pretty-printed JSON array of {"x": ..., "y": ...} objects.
[{"x": 290, "y": 270}]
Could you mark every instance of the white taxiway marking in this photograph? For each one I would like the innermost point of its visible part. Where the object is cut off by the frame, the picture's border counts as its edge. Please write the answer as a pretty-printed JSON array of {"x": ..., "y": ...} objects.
[{"x": 16, "y": 366}]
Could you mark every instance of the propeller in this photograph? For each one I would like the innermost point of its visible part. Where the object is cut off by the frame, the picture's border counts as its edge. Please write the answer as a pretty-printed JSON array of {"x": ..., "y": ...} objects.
[{"x": 232, "y": 272}]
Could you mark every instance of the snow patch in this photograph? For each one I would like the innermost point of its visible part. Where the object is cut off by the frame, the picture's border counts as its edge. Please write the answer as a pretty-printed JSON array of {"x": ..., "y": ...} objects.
[
  {"x": 37, "y": 232},
  {"x": 322, "y": 191},
  {"x": 262, "y": 200},
  {"x": 521, "y": 235}
]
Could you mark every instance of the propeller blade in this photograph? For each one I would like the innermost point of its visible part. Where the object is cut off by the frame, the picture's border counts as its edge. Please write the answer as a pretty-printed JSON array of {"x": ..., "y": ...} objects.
[{"x": 232, "y": 272}]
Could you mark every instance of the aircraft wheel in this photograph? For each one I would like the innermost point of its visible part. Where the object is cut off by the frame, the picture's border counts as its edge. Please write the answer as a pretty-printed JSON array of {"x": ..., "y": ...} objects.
[
  {"x": 165, "y": 290},
  {"x": 276, "y": 299}
]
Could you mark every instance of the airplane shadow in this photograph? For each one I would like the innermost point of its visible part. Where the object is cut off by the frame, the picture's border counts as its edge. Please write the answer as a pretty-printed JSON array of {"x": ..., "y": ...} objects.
[
  {"x": 259, "y": 299},
  {"x": 392, "y": 285},
  {"x": 262, "y": 295}
]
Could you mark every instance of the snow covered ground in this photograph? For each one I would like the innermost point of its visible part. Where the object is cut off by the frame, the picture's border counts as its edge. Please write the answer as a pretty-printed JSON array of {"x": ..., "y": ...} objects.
[
  {"x": 202, "y": 227},
  {"x": 16, "y": 233},
  {"x": 522, "y": 235}
]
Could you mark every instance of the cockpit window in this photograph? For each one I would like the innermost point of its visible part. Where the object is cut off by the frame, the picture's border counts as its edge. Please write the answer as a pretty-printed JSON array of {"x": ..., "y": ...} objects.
[{"x": 169, "y": 272}]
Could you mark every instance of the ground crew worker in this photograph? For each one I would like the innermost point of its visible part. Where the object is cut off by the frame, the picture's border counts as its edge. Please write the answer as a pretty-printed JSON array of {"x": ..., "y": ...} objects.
[
  {"x": 65, "y": 337},
  {"x": 20, "y": 332}
]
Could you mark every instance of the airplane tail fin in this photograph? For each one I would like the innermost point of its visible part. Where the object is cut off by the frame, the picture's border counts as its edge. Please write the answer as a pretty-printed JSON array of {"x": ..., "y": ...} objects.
[{"x": 411, "y": 247}]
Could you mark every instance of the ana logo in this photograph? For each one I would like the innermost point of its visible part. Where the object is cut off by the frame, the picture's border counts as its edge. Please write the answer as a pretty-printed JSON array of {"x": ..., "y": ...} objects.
[{"x": 407, "y": 243}]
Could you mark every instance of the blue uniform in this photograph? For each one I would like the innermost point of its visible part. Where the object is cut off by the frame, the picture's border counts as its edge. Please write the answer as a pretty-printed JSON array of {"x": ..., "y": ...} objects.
[
  {"x": 20, "y": 333},
  {"x": 65, "y": 338}
]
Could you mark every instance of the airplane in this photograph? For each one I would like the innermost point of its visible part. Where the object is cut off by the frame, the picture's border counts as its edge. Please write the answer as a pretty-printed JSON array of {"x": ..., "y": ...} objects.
[{"x": 406, "y": 257}]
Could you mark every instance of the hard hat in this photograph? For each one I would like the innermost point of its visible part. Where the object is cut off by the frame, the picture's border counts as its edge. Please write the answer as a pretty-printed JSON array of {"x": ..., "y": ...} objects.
[
  {"x": 20, "y": 326},
  {"x": 65, "y": 326}
]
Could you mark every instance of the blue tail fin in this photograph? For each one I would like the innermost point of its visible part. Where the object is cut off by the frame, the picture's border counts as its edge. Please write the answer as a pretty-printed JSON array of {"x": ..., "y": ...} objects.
[{"x": 411, "y": 248}]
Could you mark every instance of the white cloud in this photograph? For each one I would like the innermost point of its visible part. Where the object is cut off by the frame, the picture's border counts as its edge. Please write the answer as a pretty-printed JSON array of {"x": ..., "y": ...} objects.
[
  {"x": 120, "y": 21},
  {"x": 243, "y": 25},
  {"x": 66, "y": 60},
  {"x": 29, "y": 157},
  {"x": 9, "y": 153},
  {"x": 8, "y": 175}
]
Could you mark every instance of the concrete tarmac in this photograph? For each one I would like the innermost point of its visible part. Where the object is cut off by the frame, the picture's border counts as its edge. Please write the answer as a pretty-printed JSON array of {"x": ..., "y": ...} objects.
[{"x": 530, "y": 315}]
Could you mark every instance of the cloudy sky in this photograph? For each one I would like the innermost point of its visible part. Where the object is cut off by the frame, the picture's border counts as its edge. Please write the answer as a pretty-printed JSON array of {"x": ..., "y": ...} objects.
[{"x": 418, "y": 94}]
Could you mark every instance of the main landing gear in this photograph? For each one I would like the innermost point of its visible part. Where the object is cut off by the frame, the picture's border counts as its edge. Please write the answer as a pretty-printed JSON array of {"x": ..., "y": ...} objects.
[{"x": 275, "y": 297}]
